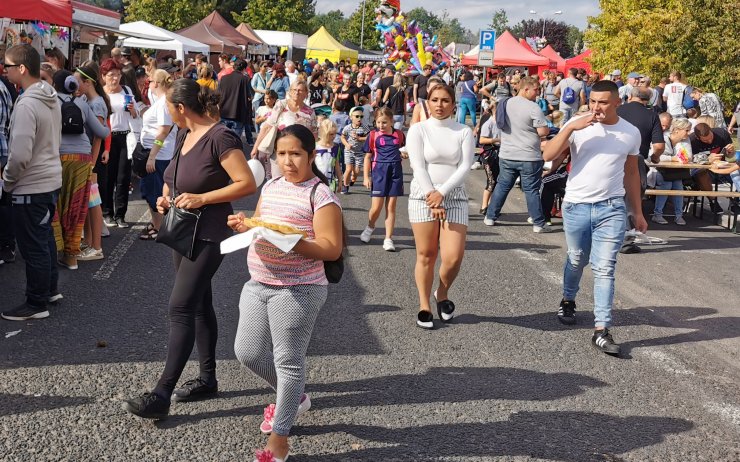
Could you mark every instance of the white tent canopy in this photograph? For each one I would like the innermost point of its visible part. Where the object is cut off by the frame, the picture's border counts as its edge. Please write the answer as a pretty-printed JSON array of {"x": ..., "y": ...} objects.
[{"x": 168, "y": 40}]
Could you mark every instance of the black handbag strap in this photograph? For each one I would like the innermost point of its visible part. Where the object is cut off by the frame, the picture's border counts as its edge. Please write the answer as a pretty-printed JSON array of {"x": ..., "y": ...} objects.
[{"x": 178, "y": 153}]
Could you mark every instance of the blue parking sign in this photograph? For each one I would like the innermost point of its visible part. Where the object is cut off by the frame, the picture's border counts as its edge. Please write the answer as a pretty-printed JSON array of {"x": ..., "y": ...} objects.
[{"x": 487, "y": 40}]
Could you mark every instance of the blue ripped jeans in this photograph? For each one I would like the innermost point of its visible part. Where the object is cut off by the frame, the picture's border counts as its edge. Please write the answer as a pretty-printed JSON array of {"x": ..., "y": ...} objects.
[{"x": 594, "y": 234}]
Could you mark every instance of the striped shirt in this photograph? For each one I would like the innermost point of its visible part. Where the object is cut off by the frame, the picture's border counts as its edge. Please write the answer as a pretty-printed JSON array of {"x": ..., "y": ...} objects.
[{"x": 288, "y": 203}]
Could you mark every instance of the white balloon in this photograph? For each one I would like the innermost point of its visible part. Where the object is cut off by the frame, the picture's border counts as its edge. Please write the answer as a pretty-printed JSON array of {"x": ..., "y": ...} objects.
[{"x": 257, "y": 170}]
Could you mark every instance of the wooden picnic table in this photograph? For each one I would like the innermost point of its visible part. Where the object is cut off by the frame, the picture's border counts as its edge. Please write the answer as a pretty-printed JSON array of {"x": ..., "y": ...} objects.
[{"x": 715, "y": 167}]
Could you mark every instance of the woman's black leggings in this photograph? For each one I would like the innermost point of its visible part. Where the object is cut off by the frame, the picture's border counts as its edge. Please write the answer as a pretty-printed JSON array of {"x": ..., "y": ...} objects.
[
  {"x": 192, "y": 318},
  {"x": 114, "y": 179}
]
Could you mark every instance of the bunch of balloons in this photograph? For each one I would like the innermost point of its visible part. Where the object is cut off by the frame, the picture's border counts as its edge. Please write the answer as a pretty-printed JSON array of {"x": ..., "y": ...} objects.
[{"x": 405, "y": 45}]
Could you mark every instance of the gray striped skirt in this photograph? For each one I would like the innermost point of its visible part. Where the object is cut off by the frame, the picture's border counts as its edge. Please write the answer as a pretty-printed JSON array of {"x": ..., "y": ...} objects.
[{"x": 455, "y": 204}]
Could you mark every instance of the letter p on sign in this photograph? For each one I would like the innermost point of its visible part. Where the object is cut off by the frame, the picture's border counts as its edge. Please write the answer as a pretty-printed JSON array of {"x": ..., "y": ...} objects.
[{"x": 487, "y": 40}]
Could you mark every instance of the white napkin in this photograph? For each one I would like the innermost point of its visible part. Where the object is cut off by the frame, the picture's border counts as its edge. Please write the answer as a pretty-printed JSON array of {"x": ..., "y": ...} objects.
[{"x": 284, "y": 242}]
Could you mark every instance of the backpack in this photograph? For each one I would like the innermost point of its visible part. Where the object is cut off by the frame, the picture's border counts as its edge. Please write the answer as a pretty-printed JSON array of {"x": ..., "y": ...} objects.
[
  {"x": 569, "y": 96},
  {"x": 72, "y": 121},
  {"x": 688, "y": 102}
]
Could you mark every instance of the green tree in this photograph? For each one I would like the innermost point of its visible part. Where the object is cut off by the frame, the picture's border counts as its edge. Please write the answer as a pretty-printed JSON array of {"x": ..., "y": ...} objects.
[
  {"x": 334, "y": 21},
  {"x": 284, "y": 15},
  {"x": 168, "y": 14},
  {"x": 426, "y": 20},
  {"x": 353, "y": 29},
  {"x": 451, "y": 30},
  {"x": 499, "y": 22},
  {"x": 226, "y": 7},
  {"x": 574, "y": 38},
  {"x": 654, "y": 37}
]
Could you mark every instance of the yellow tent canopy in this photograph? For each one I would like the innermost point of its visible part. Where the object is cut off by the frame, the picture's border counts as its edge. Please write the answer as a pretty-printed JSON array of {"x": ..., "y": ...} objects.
[{"x": 322, "y": 45}]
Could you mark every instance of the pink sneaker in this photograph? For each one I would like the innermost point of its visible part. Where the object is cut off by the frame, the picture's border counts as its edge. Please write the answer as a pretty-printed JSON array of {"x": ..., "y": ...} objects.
[{"x": 268, "y": 415}]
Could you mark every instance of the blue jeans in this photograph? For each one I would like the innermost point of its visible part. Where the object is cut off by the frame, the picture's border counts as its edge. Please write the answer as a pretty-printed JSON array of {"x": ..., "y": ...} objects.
[
  {"x": 568, "y": 112},
  {"x": 594, "y": 233},
  {"x": 239, "y": 127},
  {"x": 531, "y": 174},
  {"x": 660, "y": 201},
  {"x": 467, "y": 106},
  {"x": 35, "y": 238}
]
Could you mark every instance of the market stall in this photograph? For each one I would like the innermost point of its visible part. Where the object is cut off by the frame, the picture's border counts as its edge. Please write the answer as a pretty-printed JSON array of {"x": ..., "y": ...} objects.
[
  {"x": 362, "y": 54},
  {"x": 292, "y": 44},
  {"x": 549, "y": 52},
  {"x": 509, "y": 52},
  {"x": 203, "y": 32},
  {"x": 43, "y": 24},
  {"x": 580, "y": 61},
  {"x": 322, "y": 45},
  {"x": 258, "y": 47},
  {"x": 166, "y": 40}
]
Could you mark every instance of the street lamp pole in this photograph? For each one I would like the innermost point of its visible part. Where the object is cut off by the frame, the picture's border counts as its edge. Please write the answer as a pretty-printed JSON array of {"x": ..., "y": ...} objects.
[
  {"x": 544, "y": 19},
  {"x": 362, "y": 30}
]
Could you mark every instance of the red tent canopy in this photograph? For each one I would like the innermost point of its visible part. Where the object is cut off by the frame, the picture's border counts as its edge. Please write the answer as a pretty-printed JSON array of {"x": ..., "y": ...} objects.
[
  {"x": 580, "y": 61},
  {"x": 525, "y": 44},
  {"x": 221, "y": 26},
  {"x": 549, "y": 52},
  {"x": 57, "y": 12},
  {"x": 509, "y": 52}
]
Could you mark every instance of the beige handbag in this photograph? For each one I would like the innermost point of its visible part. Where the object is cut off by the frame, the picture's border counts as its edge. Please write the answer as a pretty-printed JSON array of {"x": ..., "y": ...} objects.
[{"x": 268, "y": 142}]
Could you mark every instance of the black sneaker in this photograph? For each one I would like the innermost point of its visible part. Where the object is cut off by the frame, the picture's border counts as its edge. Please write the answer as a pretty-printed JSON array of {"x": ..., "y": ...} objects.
[
  {"x": 24, "y": 313},
  {"x": 425, "y": 319},
  {"x": 194, "y": 390},
  {"x": 630, "y": 248},
  {"x": 7, "y": 255},
  {"x": 148, "y": 406},
  {"x": 603, "y": 341},
  {"x": 567, "y": 312},
  {"x": 121, "y": 223},
  {"x": 715, "y": 207}
]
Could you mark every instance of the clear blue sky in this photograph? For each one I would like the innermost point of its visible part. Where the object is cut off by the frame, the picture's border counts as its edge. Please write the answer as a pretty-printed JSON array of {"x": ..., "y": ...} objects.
[{"x": 476, "y": 14}]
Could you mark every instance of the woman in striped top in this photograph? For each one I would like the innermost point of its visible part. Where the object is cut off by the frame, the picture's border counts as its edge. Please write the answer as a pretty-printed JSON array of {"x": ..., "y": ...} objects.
[
  {"x": 279, "y": 304},
  {"x": 441, "y": 153}
]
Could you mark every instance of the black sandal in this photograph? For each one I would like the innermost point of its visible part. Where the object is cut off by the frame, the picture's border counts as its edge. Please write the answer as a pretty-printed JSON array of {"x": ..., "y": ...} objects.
[
  {"x": 148, "y": 233},
  {"x": 425, "y": 320}
]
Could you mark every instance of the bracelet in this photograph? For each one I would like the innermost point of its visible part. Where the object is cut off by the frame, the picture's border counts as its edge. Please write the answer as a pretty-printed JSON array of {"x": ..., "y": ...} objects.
[{"x": 159, "y": 143}]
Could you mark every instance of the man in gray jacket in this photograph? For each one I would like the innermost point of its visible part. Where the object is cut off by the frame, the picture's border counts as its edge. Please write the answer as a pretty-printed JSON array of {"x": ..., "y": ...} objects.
[{"x": 32, "y": 178}]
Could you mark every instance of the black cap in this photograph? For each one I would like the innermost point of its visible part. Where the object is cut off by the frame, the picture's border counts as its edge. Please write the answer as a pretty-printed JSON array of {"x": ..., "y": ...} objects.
[
  {"x": 125, "y": 51},
  {"x": 390, "y": 67}
]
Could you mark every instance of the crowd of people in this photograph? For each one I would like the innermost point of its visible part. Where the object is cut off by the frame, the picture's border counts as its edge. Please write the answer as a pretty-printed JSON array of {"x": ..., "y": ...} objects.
[{"x": 187, "y": 132}]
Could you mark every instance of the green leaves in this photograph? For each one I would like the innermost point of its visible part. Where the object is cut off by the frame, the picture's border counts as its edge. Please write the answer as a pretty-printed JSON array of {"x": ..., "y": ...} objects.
[
  {"x": 352, "y": 31},
  {"x": 283, "y": 15},
  {"x": 169, "y": 14},
  {"x": 696, "y": 37}
]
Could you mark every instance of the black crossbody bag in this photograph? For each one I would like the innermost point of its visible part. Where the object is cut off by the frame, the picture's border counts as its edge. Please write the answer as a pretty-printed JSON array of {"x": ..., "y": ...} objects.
[
  {"x": 179, "y": 226},
  {"x": 333, "y": 269}
]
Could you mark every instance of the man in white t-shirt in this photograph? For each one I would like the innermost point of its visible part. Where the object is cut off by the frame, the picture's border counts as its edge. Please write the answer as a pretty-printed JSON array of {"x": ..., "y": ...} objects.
[
  {"x": 603, "y": 180},
  {"x": 291, "y": 71},
  {"x": 673, "y": 95}
]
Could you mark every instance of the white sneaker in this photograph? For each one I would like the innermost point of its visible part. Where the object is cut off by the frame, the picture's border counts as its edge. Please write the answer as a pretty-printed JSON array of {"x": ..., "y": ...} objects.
[
  {"x": 541, "y": 229},
  {"x": 680, "y": 221},
  {"x": 104, "y": 232},
  {"x": 475, "y": 166},
  {"x": 659, "y": 219},
  {"x": 488, "y": 222},
  {"x": 388, "y": 245},
  {"x": 530, "y": 220},
  {"x": 365, "y": 236},
  {"x": 90, "y": 254}
]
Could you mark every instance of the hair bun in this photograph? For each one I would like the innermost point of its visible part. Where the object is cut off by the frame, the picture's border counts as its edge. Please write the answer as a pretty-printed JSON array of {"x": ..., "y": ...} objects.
[{"x": 71, "y": 84}]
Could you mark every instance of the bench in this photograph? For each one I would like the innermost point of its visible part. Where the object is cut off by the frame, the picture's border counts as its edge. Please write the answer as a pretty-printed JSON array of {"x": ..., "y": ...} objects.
[{"x": 732, "y": 222}]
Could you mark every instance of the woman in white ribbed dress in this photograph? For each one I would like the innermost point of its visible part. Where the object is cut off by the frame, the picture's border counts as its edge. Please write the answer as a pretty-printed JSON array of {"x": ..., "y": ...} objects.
[{"x": 441, "y": 153}]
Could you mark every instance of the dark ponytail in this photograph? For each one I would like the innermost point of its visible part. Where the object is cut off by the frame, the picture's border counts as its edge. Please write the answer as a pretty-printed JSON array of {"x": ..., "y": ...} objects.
[
  {"x": 89, "y": 72},
  {"x": 201, "y": 100}
]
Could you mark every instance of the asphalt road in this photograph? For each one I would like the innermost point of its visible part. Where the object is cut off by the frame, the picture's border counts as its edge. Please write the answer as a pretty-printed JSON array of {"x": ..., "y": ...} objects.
[{"x": 505, "y": 381}]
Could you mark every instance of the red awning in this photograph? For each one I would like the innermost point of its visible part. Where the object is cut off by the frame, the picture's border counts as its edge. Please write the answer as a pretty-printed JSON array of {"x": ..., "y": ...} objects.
[
  {"x": 549, "y": 52},
  {"x": 580, "y": 61},
  {"x": 57, "y": 12},
  {"x": 509, "y": 52}
]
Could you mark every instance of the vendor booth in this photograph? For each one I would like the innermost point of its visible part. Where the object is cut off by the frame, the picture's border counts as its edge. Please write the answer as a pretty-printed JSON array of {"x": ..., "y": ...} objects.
[
  {"x": 43, "y": 24},
  {"x": 219, "y": 41},
  {"x": 580, "y": 61},
  {"x": 509, "y": 52},
  {"x": 364, "y": 55},
  {"x": 258, "y": 47},
  {"x": 549, "y": 52},
  {"x": 166, "y": 40},
  {"x": 322, "y": 45},
  {"x": 292, "y": 44}
]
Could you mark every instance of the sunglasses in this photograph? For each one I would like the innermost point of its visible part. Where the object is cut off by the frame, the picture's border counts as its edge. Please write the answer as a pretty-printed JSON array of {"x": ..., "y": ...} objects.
[
  {"x": 357, "y": 117},
  {"x": 6, "y": 65}
]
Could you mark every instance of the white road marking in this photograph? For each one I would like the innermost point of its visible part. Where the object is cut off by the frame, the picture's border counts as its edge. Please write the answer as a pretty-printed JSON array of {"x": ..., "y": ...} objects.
[
  {"x": 115, "y": 257},
  {"x": 539, "y": 262},
  {"x": 665, "y": 361}
]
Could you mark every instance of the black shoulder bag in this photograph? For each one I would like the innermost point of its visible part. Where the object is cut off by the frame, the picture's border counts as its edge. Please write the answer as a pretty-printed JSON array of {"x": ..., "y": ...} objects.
[
  {"x": 179, "y": 226},
  {"x": 333, "y": 269}
]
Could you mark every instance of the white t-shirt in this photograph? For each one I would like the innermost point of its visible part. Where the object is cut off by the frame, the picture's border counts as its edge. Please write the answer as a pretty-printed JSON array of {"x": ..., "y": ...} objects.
[
  {"x": 674, "y": 94},
  {"x": 598, "y": 154},
  {"x": 156, "y": 117},
  {"x": 120, "y": 117}
]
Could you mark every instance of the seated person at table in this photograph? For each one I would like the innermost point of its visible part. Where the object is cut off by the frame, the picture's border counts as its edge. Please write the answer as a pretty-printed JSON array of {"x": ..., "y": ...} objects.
[
  {"x": 718, "y": 143},
  {"x": 676, "y": 145}
]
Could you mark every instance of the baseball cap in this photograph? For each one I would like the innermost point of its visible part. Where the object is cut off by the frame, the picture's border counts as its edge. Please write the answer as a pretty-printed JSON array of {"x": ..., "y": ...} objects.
[
  {"x": 390, "y": 67},
  {"x": 634, "y": 75},
  {"x": 356, "y": 109},
  {"x": 616, "y": 72}
]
